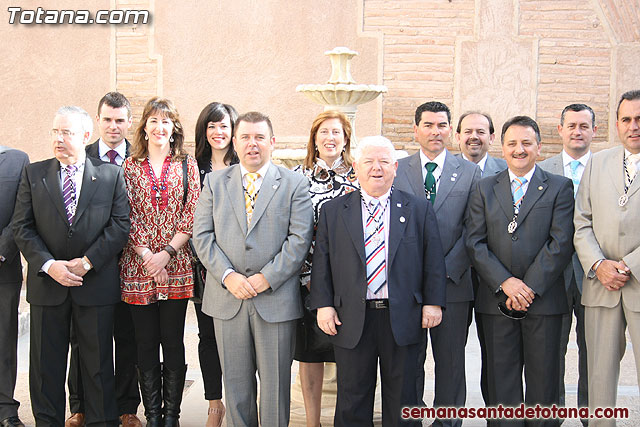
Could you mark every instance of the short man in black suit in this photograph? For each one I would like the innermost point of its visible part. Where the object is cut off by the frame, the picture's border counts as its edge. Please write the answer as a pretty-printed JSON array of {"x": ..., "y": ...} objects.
[
  {"x": 379, "y": 279},
  {"x": 11, "y": 164},
  {"x": 446, "y": 181},
  {"x": 71, "y": 220},
  {"x": 519, "y": 237},
  {"x": 114, "y": 120}
]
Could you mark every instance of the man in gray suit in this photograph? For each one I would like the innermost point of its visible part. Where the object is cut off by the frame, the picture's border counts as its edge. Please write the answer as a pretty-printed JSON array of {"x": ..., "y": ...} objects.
[
  {"x": 608, "y": 245},
  {"x": 252, "y": 231},
  {"x": 446, "y": 181},
  {"x": 577, "y": 128},
  {"x": 11, "y": 164},
  {"x": 474, "y": 134}
]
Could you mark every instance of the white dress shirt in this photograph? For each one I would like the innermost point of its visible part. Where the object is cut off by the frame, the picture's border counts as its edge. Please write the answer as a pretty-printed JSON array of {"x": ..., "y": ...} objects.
[
  {"x": 384, "y": 202},
  {"x": 121, "y": 149},
  {"x": 439, "y": 161}
]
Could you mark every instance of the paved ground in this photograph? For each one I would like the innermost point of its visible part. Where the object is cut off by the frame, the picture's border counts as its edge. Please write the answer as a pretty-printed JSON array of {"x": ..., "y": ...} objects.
[{"x": 194, "y": 407}]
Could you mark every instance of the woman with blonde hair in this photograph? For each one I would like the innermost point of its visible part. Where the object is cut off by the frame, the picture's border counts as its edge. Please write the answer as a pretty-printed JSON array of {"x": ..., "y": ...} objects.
[
  {"x": 156, "y": 274},
  {"x": 327, "y": 166}
]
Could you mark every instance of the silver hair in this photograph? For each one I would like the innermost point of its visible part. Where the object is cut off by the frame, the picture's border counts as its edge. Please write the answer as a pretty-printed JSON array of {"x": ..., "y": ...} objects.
[
  {"x": 374, "y": 141},
  {"x": 85, "y": 119}
]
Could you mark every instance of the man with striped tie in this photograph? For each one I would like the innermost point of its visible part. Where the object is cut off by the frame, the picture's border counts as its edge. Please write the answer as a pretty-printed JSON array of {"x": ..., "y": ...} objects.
[
  {"x": 577, "y": 128},
  {"x": 519, "y": 238},
  {"x": 71, "y": 220},
  {"x": 379, "y": 280}
]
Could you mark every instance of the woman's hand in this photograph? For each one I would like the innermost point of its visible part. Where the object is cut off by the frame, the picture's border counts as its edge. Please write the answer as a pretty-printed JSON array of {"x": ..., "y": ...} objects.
[
  {"x": 156, "y": 263},
  {"x": 162, "y": 277}
]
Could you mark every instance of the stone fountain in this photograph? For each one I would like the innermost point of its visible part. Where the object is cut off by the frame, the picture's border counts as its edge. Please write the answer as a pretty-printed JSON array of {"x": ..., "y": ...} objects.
[{"x": 341, "y": 92}]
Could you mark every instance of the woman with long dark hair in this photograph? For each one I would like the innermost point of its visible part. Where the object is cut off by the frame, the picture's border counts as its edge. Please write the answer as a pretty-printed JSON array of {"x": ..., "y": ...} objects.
[{"x": 214, "y": 151}]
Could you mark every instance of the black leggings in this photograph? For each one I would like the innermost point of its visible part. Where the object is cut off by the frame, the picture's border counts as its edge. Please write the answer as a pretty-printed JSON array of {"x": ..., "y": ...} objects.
[
  {"x": 161, "y": 323},
  {"x": 209, "y": 358}
]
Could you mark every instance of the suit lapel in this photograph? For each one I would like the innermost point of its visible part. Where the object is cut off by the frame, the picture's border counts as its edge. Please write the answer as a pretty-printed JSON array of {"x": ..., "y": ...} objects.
[
  {"x": 352, "y": 217},
  {"x": 616, "y": 172},
  {"x": 268, "y": 188},
  {"x": 447, "y": 179},
  {"x": 51, "y": 181},
  {"x": 414, "y": 174},
  {"x": 398, "y": 216},
  {"x": 235, "y": 193},
  {"x": 90, "y": 182},
  {"x": 535, "y": 190},
  {"x": 502, "y": 191}
]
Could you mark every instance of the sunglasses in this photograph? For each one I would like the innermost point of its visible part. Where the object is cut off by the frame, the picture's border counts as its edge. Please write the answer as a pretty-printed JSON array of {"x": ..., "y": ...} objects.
[{"x": 510, "y": 313}]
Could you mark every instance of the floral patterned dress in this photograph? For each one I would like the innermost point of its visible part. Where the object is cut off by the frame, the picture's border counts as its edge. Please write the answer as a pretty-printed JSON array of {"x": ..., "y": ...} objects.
[
  {"x": 326, "y": 183},
  {"x": 154, "y": 222}
]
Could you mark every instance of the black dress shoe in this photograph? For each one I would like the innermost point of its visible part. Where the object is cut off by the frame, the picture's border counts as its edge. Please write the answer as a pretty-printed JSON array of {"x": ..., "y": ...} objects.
[{"x": 11, "y": 422}]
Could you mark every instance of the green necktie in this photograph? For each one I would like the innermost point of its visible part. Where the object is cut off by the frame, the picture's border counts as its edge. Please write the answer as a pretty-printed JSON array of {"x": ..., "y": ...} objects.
[{"x": 430, "y": 182}]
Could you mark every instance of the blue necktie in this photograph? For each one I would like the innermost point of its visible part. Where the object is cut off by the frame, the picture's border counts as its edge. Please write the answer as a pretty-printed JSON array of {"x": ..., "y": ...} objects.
[
  {"x": 518, "y": 192},
  {"x": 574, "y": 176}
]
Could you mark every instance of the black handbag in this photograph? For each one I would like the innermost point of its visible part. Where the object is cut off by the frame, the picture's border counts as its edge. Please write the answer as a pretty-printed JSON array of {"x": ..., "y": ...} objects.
[
  {"x": 315, "y": 340},
  {"x": 199, "y": 272}
]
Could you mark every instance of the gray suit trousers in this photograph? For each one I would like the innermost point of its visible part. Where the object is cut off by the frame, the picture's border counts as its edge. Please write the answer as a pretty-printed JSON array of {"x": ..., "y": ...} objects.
[{"x": 246, "y": 344}]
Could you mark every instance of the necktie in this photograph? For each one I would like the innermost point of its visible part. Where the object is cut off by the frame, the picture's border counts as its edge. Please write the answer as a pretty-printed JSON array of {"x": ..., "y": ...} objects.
[
  {"x": 374, "y": 248},
  {"x": 250, "y": 194},
  {"x": 518, "y": 192},
  {"x": 69, "y": 192},
  {"x": 574, "y": 175},
  {"x": 632, "y": 167},
  {"x": 430, "y": 182},
  {"x": 112, "y": 154}
]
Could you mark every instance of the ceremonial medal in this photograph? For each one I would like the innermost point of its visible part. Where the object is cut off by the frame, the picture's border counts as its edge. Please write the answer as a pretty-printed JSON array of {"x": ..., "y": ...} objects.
[
  {"x": 623, "y": 200},
  {"x": 512, "y": 226}
]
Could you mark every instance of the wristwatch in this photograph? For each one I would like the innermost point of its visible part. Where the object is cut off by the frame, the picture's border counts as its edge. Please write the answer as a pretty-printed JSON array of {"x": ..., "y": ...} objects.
[{"x": 85, "y": 263}]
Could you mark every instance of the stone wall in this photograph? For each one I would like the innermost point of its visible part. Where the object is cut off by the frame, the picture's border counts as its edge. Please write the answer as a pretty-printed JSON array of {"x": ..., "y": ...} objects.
[{"x": 504, "y": 57}]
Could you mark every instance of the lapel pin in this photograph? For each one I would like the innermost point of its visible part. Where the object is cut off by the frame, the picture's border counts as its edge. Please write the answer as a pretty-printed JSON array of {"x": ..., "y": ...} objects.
[
  {"x": 275, "y": 186},
  {"x": 402, "y": 219},
  {"x": 399, "y": 205},
  {"x": 455, "y": 175},
  {"x": 93, "y": 178},
  {"x": 540, "y": 188},
  {"x": 453, "y": 178}
]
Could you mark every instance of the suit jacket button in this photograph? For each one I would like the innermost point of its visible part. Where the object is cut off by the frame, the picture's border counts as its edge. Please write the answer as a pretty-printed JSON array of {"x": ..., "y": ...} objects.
[
  {"x": 514, "y": 238},
  {"x": 364, "y": 300},
  {"x": 70, "y": 233}
]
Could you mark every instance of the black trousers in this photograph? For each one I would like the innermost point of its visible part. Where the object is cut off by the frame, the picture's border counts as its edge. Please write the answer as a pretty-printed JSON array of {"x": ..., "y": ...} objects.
[
  {"x": 357, "y": 374},
  {"x": 49, "y": 345},
  {"x": 208, "y": 355},
  {"x": 9, "y": 299},
  {"x": 532, "y": 343},
  {"x": 127, "y": 393},
  {"x": 160, "y": 324}
]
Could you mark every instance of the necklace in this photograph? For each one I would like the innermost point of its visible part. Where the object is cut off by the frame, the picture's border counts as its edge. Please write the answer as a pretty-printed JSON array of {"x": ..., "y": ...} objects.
[
  {"x": 627, "y": 182},
  {"x": 159, "y": 198}
]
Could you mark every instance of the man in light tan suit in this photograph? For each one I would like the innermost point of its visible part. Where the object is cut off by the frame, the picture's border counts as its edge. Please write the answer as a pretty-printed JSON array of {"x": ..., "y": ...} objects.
[{"x": 608, "y": 245}]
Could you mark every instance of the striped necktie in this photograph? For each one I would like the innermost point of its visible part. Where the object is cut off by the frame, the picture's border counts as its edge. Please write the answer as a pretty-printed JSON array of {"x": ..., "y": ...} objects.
[
  {"x": 518, "y": 192},
  {"x": 69, "y": 192},
  {"x": 250, "y": 194},
  {"x": 112, "y": 154},
  {"x": 374, "y": 248}
]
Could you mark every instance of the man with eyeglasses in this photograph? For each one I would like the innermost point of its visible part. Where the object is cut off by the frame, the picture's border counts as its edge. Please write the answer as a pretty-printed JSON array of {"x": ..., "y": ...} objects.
[
  {"x": 71, "y": 220},
  {"x": 519, "y": 237}
]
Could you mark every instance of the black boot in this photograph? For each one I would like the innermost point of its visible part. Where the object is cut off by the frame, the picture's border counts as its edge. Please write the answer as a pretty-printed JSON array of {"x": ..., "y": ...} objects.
[
  {"x": 151, "y": 390},
  {"x": 172, "y": 388}
]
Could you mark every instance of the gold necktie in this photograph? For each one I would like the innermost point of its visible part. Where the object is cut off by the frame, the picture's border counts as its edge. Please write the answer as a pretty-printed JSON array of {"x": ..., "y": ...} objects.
[{"x": 250, "y": 194}]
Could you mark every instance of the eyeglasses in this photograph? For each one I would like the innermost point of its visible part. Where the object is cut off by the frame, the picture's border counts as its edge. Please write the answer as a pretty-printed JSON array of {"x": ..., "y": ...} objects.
[
  {"x": 510, "y": 313},
  {"x": 65, "y": 133}
]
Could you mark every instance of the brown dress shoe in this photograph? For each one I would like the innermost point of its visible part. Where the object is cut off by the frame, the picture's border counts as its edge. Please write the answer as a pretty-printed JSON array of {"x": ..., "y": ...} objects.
[
  {"x": 75, "y": 420},
  {"x": 130, "y": 420}
]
